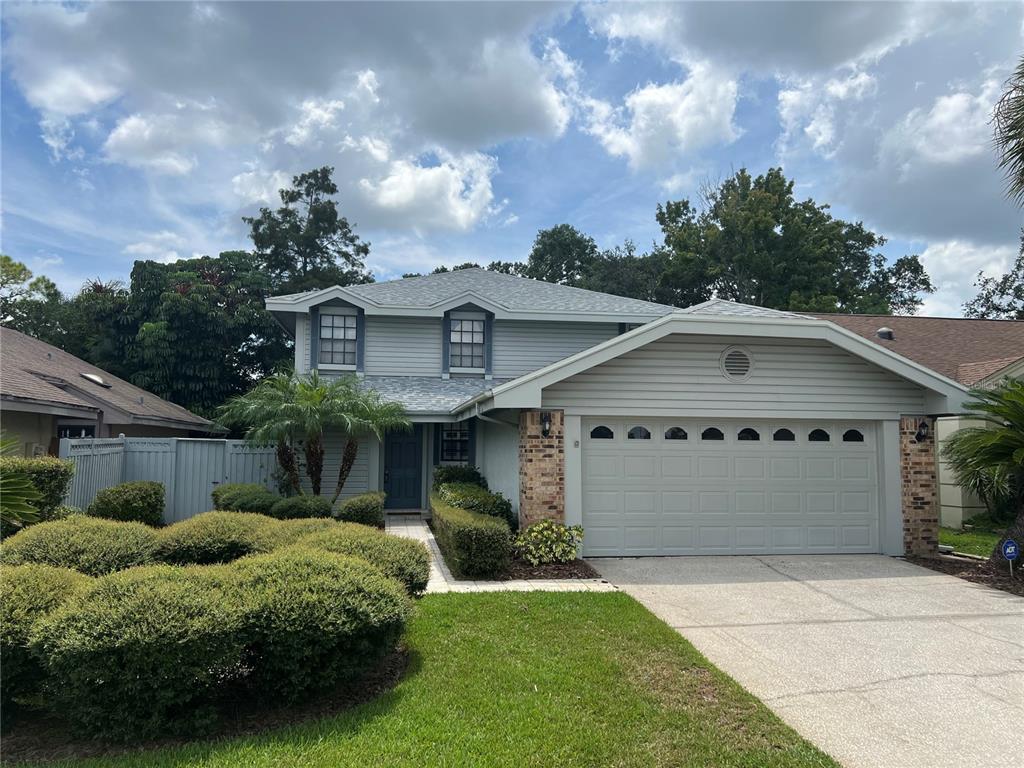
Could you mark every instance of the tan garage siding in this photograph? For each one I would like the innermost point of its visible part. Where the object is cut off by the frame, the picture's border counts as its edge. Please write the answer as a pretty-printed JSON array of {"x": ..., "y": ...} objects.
[{"x": 680, "y": 375}]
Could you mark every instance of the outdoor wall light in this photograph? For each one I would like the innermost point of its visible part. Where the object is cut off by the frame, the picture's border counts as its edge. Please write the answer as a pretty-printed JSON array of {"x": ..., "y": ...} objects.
[
  {"x": 922, "y": 432},
  {"x": 545, "y": 423}
]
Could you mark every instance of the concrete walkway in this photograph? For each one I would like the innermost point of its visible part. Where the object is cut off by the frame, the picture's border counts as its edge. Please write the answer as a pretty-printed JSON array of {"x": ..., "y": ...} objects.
[
  {"x": 881, "y": 663},
  {"x": 413, "y": 526}
]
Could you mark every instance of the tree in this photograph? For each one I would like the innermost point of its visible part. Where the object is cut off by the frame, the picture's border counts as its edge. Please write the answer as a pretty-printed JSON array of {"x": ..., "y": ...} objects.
[
  {"x": 754, "y": 243},
  {"x": 1002, "y": 298},
  {"x": 624, "y": 272},
  {"x": 989, "y": 460},
  {"x": 1008, "y": 123},
  {"x": 32, "y": 305},
  {"x": 287, "y": 410},
  {"x": 561, "y": 254},
  {"x": 306, "y": 243}
]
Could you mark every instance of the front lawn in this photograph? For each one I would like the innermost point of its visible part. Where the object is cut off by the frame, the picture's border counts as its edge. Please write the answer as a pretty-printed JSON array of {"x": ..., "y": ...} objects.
[
  {"x": 530, "y": 679},
  {"x": 979, "y": 540}
]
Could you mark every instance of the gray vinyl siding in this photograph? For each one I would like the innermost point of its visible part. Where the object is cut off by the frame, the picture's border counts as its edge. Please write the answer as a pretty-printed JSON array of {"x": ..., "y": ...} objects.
[
  {"x": 521, "y": 346},
  {"x": 403, "y": 346},
  {"x": 680, "y": 375},
  {"x": 302, "y": 364},
  {"x": 497, "y": 456},
  {"x": 359, "y": 478}
]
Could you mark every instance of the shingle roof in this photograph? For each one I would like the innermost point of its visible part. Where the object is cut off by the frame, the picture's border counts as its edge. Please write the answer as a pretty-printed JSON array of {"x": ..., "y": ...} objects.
[
  {"x": 424, "y": 394},
  {"x": 947, "y": 345},
  {"x": 35, "y": 371},
  {"x": 735, "y": 309},
  {"x": 508, "y": 291},
  {"x": 971, "y": 373}
]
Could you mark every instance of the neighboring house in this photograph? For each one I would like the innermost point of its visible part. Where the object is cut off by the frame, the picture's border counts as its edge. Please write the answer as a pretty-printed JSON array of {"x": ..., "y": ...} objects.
[
  {"x": 47, "y": 394},
  {"x": 718, "y": 429},
  {"x": 976, "y": 353}
]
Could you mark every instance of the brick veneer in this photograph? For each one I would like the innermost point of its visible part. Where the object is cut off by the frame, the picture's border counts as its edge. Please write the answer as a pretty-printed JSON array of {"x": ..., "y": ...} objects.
[
  {"x": 919, "y": 488},
  {"x": 541, "y": 468}
]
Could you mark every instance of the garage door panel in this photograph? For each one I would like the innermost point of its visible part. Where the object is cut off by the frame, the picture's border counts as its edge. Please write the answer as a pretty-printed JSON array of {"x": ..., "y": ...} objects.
[{"x": 675, "y": 497}]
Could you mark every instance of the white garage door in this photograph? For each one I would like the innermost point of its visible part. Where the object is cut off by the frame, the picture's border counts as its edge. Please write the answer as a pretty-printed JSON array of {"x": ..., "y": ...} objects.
[{"x": 679, "y": 487}]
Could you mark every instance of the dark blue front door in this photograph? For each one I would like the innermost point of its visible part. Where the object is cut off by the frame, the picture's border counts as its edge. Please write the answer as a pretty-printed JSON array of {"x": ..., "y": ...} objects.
[{"x": 403, "y": 468}]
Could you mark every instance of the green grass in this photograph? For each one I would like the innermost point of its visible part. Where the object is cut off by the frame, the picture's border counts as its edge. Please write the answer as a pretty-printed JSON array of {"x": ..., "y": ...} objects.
[
  {"x": 980, "y": 540},
  {"x": 530, "y": 679}
]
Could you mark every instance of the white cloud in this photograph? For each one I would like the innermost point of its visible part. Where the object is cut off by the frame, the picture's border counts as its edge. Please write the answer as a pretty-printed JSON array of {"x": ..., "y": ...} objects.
[
  {"x": 807, "y": 108},
  {"x": 316, "y": 115},
  {"x": 159, "y": 246},
  {"x": 454, "y": 193},
  {"x": 260, "y": 186},
  {"x": 953, "y": 266},
  {"x": 57, "y": 134},
  {"x": 954, "y": 129},
  {"x": 659, "y": 123}
]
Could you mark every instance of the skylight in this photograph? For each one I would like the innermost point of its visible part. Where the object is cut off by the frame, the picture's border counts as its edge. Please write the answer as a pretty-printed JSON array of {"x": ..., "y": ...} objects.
[{"x": 95, "y": 378}]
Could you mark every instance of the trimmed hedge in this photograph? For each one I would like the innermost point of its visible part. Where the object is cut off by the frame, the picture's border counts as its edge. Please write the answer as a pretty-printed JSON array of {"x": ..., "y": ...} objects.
[
  {"x": 454, "y": 473},
  {"x": 477, "y": 499},
  {"x": 49, "y": 475},
  {"x": 294, "y": 507},
  {"x": 284, "y": 533},
  {"x": 474, "y": 545},
  {"x": 27, "y": 594},
  {"x": 89, "y": 545},
  {"x": 403, "y": 559},
  {"x": 314, "y": 618},
  {"x": 244, "y": 497},
  {"x": 141, "y": 501},
  {"x": 142, "y": 652},
  {"x": 366, "y": 508},
  {"x": 215, "y": 537}
]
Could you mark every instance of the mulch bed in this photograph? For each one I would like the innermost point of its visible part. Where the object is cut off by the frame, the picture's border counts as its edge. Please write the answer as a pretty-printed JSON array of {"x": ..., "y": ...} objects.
[
  {"x": 36, "y": 737},
  {"x": 977, "y": 571},
  {"x": 577, "y": 569}
]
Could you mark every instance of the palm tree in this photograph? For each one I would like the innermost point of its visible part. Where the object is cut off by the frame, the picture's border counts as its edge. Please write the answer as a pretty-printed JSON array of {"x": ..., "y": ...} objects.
[
  {"x": 1008, "y": 121},
  {"x": 358, "y": 414},
  {"x": 286, "y": 409},
  {"x": 989, "y": 460}
]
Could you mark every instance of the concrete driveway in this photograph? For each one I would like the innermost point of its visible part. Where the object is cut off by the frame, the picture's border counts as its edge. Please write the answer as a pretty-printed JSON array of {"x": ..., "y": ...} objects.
[{"x": 879, "y": 662}]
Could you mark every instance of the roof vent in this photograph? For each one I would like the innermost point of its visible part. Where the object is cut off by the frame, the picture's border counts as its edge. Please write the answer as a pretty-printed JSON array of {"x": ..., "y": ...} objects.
[
  {"x": 885, "y": 333},
  {"x": 736, "y": 363},
  {"x": 95, "y": 378}
]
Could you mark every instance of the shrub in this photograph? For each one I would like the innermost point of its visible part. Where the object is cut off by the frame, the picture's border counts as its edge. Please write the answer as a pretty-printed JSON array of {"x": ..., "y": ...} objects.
[
  {"x": 283, "y": 533},
  {"x": 143, "y": 652},
  {"x": 473, "y": 545},
  {"x": 549, "y": 542},
  {"x": 244, "y": 497},
  {"x": 301, "y": 506},
  {"x": 457, "y": 474},
  {"x": 215, "y": 537},
  {"x": 50, "y": 476},
  {"x": 65, "y": 511},
  {"x": 403, "y": 559},
  {"x": 141, "y": 501},
  {"x": 89, "y": 545},
  {"x": 366, "y": 508},
  {"x": 313, "y": 618},
  {"x": 476, "y": 499},
  {"x": 27, "y": 594}
]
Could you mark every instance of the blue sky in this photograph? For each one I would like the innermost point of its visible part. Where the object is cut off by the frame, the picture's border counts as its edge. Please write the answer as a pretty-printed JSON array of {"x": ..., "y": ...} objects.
[{"x": 147, "y": 130}]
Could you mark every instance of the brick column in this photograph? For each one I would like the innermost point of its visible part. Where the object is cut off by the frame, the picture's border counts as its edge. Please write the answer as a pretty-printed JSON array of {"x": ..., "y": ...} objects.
[
  {"x": 919, "y": 485},
  {"x": 541, "y": 468}
]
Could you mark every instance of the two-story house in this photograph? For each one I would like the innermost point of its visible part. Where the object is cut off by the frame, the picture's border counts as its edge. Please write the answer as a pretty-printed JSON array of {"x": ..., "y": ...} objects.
[{"x": 721, "y": 428}]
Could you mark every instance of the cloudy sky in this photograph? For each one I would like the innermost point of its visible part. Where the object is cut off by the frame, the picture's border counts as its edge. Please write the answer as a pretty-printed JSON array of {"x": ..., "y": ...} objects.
[{"x": 147, "y": 130}]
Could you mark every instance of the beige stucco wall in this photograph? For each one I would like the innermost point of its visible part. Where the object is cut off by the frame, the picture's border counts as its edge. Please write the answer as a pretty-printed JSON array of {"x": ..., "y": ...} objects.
[
  {"x": 955, "y": 504},
  {"x": 29, "y": 429}
]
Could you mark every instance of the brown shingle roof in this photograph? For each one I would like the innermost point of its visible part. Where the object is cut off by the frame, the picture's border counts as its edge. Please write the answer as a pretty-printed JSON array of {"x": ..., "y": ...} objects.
[
  {"x": 950, "y": 346},
  {"x": 35, "y": 371}
]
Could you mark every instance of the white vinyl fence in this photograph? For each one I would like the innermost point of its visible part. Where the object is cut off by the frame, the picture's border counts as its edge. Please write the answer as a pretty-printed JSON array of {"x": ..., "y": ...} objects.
[{"x": 188, "y": 468}]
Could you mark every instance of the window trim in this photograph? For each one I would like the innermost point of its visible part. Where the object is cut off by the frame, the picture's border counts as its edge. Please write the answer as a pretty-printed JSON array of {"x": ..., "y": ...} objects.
[
  {"x": 648, "y": 436},
  {"x": 336, "y": 312},
  {"x": 446, "y": 350},
  {"x": 611, "y": 432}
]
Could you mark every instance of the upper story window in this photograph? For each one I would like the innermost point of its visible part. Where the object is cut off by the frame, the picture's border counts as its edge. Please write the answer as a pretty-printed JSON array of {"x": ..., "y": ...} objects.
[
  {"x": 338, "y": 339},
  {"x": 466, "y": 343}
]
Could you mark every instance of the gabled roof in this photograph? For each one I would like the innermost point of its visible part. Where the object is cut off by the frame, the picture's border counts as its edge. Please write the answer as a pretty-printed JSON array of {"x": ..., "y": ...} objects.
[
  {"x": 34, "y": 372},
  {"x": 948, "y": 345},
  {"x": 734, "y": 309},
  {"x": 970, "y": 374},
  {"x": 505, "y": 295},
  {"x": 525, "y": 392}
]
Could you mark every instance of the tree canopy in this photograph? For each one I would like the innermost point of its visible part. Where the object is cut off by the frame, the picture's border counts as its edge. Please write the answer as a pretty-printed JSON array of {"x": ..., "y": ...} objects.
[
  {"x": 1008, "y": 122},
  {"x": 1000, "y": 298}
]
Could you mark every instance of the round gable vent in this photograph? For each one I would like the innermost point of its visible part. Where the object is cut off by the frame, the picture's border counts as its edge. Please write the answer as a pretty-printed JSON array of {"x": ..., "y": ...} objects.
[{"x": 736, "y": 363}]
